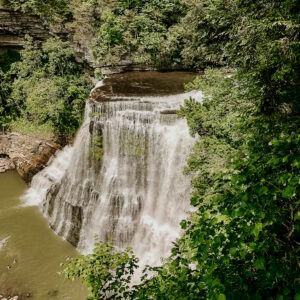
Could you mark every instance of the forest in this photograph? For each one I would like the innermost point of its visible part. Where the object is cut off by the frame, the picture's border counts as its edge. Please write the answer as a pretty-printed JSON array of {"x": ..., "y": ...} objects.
[{"x": 242, "y": 241}]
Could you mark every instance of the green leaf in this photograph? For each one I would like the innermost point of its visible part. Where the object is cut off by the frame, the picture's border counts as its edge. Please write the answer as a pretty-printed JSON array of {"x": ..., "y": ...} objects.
[
  {"x": 232, "y": 251},
  {"x": 289, "y": 192},
  {"x": 263, "y": 190},
  {"x": 297, "y": 296},
  {"x": 221, "y": 297},
  {"x": 259, "y": 264},
  {"x": 296, "y": 163},
  {"x": 257, "y": 229}
]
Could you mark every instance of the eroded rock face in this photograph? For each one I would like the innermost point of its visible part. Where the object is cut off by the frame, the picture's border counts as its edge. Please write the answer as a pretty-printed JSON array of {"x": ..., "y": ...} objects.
[
  {"x": 15, "y": 25},
  {"x": 27, "y": 154},
  {"x": 5, "y": 163}
]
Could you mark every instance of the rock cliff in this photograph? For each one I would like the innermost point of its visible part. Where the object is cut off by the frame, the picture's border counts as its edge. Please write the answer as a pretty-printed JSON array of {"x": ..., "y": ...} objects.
[
  {"x": 15, "y": 25},
  {"x": 26, "y": 154}
]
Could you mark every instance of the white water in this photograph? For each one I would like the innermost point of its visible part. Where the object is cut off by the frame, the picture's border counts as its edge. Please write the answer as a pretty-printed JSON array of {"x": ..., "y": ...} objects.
[
  {"x": 49, "y": 176},
  {"x": 136, "y": 195},
  {"x": 4, "y": 241}
]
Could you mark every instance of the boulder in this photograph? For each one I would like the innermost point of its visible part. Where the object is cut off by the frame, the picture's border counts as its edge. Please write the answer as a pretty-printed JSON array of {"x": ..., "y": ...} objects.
[{"x": 26, "y": 154}]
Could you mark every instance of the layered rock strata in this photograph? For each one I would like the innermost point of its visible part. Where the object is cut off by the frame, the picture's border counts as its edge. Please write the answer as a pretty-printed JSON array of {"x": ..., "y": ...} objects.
[
  {"x": 15, "y": 25},
  {"x": 26, "y": 154}
]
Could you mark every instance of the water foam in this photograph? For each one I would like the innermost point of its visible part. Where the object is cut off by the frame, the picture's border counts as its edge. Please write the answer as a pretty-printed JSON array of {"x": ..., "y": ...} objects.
[
  {"x": 4, "y": 242},
  {"x": 136, "y": 194}
]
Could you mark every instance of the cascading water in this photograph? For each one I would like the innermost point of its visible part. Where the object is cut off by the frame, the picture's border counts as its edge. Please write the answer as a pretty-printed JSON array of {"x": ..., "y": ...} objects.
[{"x": 123, "y": 178}]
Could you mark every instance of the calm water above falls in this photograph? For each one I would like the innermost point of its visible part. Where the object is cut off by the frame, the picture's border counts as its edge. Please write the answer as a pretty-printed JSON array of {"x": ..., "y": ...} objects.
[{"x": 26, "y": 238}]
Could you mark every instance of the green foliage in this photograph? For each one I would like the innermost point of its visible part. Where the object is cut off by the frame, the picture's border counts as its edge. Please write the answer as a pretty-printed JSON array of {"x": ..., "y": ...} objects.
[
  {"x": 8, "y": 107},
  {"x": 106, "y": 272},
  {"x": 243, "y": 241},
  {"x": 24, "y": 126},
  {"x": 51, "y": 86},
  {"x": 45, "y": 91},
  {"x": 133, "y": 145},
  {"x": 267, "y": 52},
  {"x": 45, "y": 9},
  {"x": 255, "y": 248},
  {"x": 137, "y": 30},
  {"x": 218, "y": 122},
  {"x": 96, "y": 147}
]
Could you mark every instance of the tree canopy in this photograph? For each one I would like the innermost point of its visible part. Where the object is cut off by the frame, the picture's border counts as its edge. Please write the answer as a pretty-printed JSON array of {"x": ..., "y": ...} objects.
[
  {"x": 44, "y": 92},
  {"x": 243, "y": 240}
]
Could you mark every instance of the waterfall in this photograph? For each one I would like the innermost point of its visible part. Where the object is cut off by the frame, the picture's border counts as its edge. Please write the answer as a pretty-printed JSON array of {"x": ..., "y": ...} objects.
[{"x": 122, "y": 180}]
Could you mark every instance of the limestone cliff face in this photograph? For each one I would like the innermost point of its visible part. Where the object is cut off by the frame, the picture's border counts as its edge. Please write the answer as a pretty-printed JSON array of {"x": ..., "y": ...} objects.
[
  {"x": 15, "y": 25},
  {"x": 26, "y": 154}
]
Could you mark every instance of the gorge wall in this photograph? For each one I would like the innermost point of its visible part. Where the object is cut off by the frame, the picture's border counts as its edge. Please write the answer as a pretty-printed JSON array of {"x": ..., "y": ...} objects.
[{"x": 15, "y": 25}]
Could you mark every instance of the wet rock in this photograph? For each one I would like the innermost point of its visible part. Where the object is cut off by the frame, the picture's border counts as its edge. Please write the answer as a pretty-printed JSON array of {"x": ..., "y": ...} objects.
[
  {"x": 139, "y": 84},
  {"x": 128, "y": 66},
  {"x": 91, "y": 127},
  {"x": 74, "y": 215}
]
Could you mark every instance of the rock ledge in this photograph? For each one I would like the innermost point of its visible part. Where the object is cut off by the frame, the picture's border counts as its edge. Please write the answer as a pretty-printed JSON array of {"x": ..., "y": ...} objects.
[{"x": 26, "y": 154}]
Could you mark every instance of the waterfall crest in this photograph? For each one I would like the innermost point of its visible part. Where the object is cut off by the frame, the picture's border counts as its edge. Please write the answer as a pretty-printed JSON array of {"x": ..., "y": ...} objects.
[{"x": 122, "y": 180}]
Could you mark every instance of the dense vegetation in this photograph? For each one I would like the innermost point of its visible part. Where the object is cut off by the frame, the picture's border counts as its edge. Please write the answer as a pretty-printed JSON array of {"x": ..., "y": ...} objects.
[
  {"x": 105, "y": 271},
  {"x": 168, "y": 33},
  {"x": 243, "y": 240},
  {"x": 43, "y": 91},
  {"x": 46, "y": 9},
  {"x": 7, "y": 107}
]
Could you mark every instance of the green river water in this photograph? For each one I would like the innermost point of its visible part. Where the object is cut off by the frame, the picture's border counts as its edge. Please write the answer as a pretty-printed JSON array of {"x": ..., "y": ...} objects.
[{"x": 32, "y": 250}]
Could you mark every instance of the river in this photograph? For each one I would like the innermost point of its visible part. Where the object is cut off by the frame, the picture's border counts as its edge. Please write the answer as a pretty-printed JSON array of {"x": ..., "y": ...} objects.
[{"x": 30, "y": 249}]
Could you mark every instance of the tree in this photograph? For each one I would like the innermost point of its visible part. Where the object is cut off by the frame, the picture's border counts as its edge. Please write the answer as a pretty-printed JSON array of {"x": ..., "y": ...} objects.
[
  {"x": 106, "y": 272},
  {"x": 9, "y": 109},
  {"x": 45, "y": 9},
  {"x": 52, "y": 87}
]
